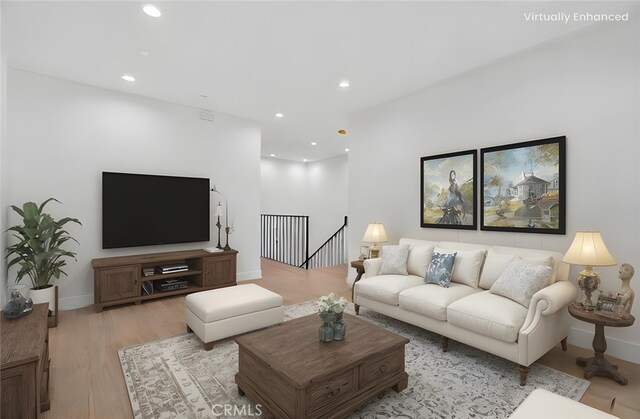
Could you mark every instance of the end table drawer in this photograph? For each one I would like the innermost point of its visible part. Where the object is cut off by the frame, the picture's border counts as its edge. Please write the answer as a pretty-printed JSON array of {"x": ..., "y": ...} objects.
[
  {"x": 330, "y": 390},
  {"x": 386, "y": 365}
]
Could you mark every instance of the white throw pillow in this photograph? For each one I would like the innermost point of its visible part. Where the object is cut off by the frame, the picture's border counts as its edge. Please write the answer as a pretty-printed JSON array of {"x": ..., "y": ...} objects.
[
  {"x": 468, "y": 263},
  {"x": 520, "y": 280},
  {"x": 419, "y": 260},
  {"x": 496, "y": 262},
  {"x": 394, "y": 260}
]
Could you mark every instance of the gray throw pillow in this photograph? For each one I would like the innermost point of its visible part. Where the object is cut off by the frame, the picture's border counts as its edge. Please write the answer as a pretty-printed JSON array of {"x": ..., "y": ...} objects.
[
  {"x": 394, "y": 260},
  {"x": 520, "y": 280},
  {"x": 441, "y": 269}
]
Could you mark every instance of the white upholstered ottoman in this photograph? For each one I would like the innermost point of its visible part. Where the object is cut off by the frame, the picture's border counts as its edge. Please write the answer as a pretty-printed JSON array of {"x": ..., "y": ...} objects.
[
  {"x": 223, "y": 312},
  {"x": 543, "y": 404}
]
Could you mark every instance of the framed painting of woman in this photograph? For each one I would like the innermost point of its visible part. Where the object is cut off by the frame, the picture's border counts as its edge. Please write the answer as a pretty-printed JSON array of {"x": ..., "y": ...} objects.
[{"x": 448, "y": 190}]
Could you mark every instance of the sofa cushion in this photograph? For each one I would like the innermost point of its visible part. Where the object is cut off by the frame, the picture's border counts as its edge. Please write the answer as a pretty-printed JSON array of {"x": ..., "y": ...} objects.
[
  {"x": 496, "y": 262},
  {"x": 386, "y": 288},
  {"x": 440, "y": 269},
  {"x": 520, "y": 280},
  {"x": 419, "y": 260},
  {"x": 432, "y": 300},
  {"x": 467, "y": 267},
  {"x": 394, "y": 260},
  {"x": 489, "y": 315}
]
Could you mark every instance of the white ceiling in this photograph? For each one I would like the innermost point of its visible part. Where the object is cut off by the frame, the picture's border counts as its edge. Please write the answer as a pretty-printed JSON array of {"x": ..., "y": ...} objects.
[{"x": 253, "y": 59}]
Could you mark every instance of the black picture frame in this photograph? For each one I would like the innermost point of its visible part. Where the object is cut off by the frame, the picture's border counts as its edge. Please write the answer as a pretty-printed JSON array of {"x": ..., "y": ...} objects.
[
  {"x": 448, "y": 190},
  {"x": 528, "y": 203}
]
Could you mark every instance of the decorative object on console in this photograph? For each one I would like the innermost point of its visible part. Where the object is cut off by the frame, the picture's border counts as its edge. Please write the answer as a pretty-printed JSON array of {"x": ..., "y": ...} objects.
[
  {"x": 394, "y": 260},
  {"x": 39, "y": 252},
  {"x": 448, "y": 190},
  {"x": 588, "y": 249},
  {"x": 441, "y": 269},
  {"x": 218, "y": 214},
  {"x": 227, "y": 229},
  {"x": 523, "y": 187},
  {"x": 375, "y": 234},
  {"x": 330, "y": 310},
  {"x": 626, "y": 294},
  {"x": 17, "y": 306}
]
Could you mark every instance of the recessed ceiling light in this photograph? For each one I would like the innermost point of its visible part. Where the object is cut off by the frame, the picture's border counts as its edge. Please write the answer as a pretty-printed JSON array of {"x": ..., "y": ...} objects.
[
  {"x": 314, "y": 143},
  {"x": 127, "y": 77},
  {"x": 344, "y": 83},
  {"x": 304, "y": 160},
  {"x": 279, "y": 115},
  {"x": 144, "y": 53},
  {"x": 346, "y": 149},
  {"x": 152, "y": 10},
  {"x": 342, "y": 131},
  {"x": 272, "y": 155}
]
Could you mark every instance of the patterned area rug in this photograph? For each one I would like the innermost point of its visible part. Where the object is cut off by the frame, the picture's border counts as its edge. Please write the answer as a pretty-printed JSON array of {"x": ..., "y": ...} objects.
[{"x": 177, "y": 378}]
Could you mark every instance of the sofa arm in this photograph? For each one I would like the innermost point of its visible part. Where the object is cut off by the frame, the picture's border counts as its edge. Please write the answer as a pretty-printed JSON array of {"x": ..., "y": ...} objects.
[
  {"x": 549, "y": 300},
  {"x": 372, "y": 267}
]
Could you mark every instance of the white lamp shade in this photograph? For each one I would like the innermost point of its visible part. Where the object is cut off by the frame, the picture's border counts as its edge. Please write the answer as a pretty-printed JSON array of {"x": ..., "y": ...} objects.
[
  {"x": 588, "y": 249},
  {"x": 375, "y": 233},
  {"x": 219, "y": 209}
]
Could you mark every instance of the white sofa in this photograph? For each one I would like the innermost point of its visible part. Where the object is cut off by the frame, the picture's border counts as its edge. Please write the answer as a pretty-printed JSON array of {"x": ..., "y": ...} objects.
[{"x": 466, "y": 311}]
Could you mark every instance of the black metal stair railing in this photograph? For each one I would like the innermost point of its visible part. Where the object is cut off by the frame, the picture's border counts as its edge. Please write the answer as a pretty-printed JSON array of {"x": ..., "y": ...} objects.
[
  {"x": 332, "y": 252},
  {"x": 284, "y": 238}
]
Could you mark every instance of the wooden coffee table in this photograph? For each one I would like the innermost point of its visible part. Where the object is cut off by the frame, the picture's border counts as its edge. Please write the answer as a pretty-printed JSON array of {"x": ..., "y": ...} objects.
[{"x": 291, "y": 374}]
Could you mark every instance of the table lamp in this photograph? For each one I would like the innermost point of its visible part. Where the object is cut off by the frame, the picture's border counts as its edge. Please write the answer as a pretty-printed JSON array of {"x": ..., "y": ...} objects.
[
  {"x": 588, "y": 249},
  {"x": 375, "y": 234}
]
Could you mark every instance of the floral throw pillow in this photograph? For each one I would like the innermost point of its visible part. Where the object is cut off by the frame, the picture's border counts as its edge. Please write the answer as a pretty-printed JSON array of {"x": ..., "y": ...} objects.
[
  {"x": 441, "y": 269},
  {"x": 394, "y": 260}
]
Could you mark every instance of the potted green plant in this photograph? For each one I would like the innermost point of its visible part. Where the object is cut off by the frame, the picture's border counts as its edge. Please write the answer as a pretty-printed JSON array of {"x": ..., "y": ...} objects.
[{"x": 38, "y": 252}]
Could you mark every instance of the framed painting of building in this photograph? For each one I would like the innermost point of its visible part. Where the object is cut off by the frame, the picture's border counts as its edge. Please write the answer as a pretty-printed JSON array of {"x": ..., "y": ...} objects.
[
  {"x": 448, "y": 190},
  {"x": 523, "y": 187}
]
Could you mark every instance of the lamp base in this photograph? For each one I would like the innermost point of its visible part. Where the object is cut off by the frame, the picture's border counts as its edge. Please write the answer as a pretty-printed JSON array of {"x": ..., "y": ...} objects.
[{"x": 588, "y": 281}]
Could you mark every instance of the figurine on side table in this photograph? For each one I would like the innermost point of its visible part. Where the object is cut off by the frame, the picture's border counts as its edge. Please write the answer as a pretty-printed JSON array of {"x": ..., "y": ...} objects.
[{"x": 626, "y": 294}]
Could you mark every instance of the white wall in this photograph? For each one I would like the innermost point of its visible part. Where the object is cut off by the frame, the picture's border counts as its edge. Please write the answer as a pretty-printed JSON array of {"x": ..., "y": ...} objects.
[
  {"x": 327, "y": 182},
  {"x": 283, "y": 186},
  {"x": 317, "y": 189},
  {"x": 3, "y": 162},
  {"x": 585, "y": 86},
  {"x": 63, "y": 134}
]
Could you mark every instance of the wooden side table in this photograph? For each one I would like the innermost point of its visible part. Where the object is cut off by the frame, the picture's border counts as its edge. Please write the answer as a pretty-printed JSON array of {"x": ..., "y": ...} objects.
[
  {"x": 598, "y": 364},
  {"x": 359, "y": 266}
]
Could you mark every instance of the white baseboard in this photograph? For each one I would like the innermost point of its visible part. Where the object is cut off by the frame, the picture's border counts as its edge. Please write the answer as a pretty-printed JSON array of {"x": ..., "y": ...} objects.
[
  {"x": 249, "y": 275},
  {"x": 77, "y": 301},
  {"x": 629, "y": 351}
]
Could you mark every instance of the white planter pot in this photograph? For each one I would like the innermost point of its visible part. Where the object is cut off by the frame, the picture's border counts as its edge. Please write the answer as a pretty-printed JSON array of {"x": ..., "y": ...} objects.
[{"x": 46, "y": 295}]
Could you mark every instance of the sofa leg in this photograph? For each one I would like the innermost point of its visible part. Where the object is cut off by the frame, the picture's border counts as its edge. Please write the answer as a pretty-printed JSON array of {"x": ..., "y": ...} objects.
[
  {"x": 189, "y": 329},
  {"x": 444, "y": 343},
  {"x": 357, "y": 307},
  {"x": 563, "y": 342},
  {"x": 208, "y": 346},
  {"x": 523, "y": 374}
]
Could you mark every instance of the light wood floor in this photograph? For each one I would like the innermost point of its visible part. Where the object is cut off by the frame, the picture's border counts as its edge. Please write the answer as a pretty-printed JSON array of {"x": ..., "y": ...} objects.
[{"x": 86, "y": 379}]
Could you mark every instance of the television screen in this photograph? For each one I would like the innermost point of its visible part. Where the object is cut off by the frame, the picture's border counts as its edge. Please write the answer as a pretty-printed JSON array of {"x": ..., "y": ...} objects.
[{"x": 141, "y": 210}]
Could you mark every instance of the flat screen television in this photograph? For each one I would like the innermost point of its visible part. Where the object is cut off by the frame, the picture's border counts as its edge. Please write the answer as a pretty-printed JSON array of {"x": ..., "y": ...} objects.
[{"x": 142, "y": 210}]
